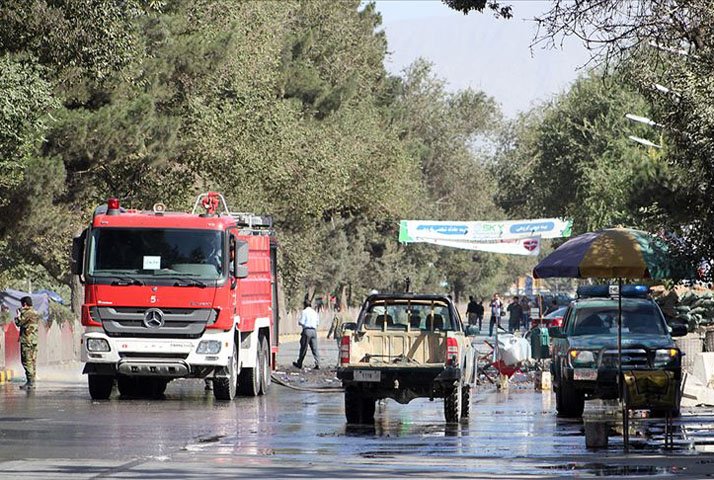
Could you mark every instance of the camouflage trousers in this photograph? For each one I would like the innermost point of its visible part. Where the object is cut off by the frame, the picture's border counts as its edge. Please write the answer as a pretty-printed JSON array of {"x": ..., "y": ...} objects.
[{"x": 28, "y": 356}]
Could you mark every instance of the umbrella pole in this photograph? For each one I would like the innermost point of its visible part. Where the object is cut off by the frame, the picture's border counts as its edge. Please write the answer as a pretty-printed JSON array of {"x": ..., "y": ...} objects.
[{"x": 620, "y": 382}]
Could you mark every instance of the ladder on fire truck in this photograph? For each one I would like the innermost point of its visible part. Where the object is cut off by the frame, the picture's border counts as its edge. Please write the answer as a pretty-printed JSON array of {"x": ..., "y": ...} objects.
[{"x": 210, "y": 202}]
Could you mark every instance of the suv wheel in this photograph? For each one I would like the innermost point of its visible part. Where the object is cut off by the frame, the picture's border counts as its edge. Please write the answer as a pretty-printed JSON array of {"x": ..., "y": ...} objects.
[{"x": 570, "y": 403}]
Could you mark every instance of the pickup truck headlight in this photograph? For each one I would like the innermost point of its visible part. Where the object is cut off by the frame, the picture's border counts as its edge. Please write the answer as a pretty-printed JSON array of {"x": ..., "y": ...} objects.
[
  {"x": 582, "y": 358},
  {"x": 97, "y": 345},
  {"x": 208, "y": 347},
  {"x": 665, "y": 356}
]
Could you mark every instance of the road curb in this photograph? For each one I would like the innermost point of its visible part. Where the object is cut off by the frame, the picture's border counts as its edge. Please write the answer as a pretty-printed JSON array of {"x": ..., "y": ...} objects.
[{"x": 6, "y": 375}]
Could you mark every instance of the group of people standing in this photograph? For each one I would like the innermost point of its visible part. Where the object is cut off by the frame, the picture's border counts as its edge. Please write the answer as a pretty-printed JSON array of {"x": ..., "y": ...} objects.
[{"x": 518, "y": 313}]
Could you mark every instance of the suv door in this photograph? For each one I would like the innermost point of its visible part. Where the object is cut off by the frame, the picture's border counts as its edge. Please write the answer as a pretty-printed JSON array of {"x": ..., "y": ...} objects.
[{"x": 560, "y": 345}]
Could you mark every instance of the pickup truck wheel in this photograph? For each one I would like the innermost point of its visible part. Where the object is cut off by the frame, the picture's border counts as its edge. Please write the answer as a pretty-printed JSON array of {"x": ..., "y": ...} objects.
[
  {"x": 465, "y": 402},
  {"x": 249, "y": 379},
  {"x": 100, "y": 386},
  {"x": 224, "y": 388},
  {"x": 452, "y": 405},
  {"x": 570, "y": 403},
  {"x": 358, "y": 409},
  {"x": 264, "y": 363}
]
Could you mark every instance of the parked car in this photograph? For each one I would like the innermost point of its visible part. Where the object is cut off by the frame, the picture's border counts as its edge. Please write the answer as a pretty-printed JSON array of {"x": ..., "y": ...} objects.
[
  {"x": 407, "y": 346},
  {"x": 584, "y": 353},
  {"x": 553, "y": 319}
]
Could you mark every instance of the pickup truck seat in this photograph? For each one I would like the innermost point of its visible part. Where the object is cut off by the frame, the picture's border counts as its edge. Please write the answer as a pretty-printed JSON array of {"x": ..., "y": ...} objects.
[{"x": 434, "y": 322}]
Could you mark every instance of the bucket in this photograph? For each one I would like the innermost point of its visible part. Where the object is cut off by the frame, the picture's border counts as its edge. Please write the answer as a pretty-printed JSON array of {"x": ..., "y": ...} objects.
[{"x": 596, "y": 434}]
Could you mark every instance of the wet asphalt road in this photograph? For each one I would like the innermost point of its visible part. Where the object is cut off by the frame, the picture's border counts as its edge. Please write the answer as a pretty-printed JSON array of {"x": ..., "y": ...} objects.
[{"x": 59, "y": 432}]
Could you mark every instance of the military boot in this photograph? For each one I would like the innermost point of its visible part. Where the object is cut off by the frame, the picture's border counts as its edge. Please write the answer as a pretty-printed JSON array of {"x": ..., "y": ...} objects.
[{"x": 29, "y": 385}]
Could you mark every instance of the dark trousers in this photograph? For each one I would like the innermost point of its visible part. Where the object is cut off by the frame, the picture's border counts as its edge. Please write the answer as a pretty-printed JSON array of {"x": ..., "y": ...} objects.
[
  {"x": 491, "y": 324},
  {"x": 308, "y": 337}
]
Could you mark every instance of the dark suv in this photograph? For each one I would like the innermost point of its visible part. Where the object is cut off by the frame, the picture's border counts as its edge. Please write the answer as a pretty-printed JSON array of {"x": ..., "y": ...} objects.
[{"x": 584, "y": 354}]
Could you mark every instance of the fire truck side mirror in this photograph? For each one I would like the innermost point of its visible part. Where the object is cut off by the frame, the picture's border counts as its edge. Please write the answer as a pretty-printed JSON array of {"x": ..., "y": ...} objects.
[
  {"x": 241, "y": 253},
  {"x": 240, "y": 258},
  {"x": 77, "y": 258},
  {"x": 241, "y": 271}
]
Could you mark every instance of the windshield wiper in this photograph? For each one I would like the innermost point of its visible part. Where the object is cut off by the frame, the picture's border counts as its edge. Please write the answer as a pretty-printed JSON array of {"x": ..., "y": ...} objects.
[
  {"x": 124, "y": 281},
  {"x": 187, "y": 282}
]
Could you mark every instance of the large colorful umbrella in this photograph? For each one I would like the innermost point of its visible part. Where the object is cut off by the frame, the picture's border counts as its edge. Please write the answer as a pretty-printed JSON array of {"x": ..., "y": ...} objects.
[{"x": 611, "y": 253}]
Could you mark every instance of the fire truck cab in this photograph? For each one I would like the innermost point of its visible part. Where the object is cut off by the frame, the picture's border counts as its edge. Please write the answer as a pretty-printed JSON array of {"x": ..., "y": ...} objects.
[{"x": 170, "y": 295}]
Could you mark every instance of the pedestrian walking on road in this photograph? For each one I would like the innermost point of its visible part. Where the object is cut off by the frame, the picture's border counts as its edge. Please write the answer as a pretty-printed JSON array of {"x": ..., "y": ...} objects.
[
  {"x": 526, "y": 313},
  {"x": 28, "y": 320},
  {"x": 515, "y": 312},
  {"x": 335, "y": 330},
  {"x": 496, "y": 307},
  {"x": 472, "y": 311},
  {"x": 552, "y": 307},
  {"x": 309, "y": 321},
  {"x": 479, "y": 313}
]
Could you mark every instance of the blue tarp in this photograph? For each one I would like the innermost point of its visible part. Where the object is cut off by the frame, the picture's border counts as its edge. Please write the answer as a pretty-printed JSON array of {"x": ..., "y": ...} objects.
[
  {"x": 54, "y": 296},
  {"x": 11, "y": 299}
]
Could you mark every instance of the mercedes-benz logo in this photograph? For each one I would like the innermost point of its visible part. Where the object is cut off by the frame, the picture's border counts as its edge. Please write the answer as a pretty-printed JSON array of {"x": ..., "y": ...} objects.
[{"x": 154, "y": 318}]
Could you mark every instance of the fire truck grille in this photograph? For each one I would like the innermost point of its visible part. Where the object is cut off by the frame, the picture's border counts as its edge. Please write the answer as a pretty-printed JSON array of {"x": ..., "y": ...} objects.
[{"x": 154, "y": 322}]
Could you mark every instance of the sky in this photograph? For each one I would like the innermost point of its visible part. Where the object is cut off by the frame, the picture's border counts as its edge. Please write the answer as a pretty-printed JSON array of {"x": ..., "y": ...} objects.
[{"x": 481, "y": 51}]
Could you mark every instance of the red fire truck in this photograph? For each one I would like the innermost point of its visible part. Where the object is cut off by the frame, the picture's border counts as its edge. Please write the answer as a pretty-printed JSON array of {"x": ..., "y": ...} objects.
[{"x": 171, "y": 295}]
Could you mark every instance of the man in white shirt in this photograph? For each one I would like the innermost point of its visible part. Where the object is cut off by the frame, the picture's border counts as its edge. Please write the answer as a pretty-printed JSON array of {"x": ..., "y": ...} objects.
[{"x": 309, "y": 321}]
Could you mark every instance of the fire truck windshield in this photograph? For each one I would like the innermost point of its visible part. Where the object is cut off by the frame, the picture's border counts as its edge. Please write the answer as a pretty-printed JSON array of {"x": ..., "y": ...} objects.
[{"x": 153, "y": 252}]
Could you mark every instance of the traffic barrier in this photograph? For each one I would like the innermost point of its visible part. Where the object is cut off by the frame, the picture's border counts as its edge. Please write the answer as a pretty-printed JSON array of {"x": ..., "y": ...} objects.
[{"x": 6, "y": 375}]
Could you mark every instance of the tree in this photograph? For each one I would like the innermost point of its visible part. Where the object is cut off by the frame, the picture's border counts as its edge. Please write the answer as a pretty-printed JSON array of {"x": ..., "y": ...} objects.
[
  {"x": 572, "y": 158},
  {"x": 467, "y": 6},
  {"x": 666, "y": 50}
]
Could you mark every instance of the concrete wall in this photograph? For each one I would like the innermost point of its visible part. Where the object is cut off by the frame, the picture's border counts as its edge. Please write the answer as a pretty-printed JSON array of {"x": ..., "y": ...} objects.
[
  {"x": 289, "y": 325},
  {"x": 55, "y": 344}
]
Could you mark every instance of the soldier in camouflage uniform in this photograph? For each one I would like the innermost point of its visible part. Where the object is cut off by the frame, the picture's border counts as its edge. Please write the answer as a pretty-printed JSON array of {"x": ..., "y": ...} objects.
[{"x": 27, "y": 320}]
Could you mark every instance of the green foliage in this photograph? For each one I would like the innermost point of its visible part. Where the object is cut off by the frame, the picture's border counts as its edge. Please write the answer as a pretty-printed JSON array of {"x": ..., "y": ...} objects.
[
  {"x": 285, "y": 107},
  {"x": 467, "y": 6},
  {"x": 25, "y": 100},
  {"x": 60, "y": 314},
  {"x": 572, "y": 158}
]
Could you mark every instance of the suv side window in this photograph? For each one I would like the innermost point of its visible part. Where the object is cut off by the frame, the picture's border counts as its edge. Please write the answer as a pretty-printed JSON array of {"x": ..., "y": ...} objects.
[{"x": 568, "y": 318}]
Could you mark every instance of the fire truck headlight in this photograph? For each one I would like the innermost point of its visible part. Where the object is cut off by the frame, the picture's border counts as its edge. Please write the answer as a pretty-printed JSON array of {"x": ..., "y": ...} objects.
[
  {"x": 97, "y": 345},
  {"x": 208, "y": 347}
]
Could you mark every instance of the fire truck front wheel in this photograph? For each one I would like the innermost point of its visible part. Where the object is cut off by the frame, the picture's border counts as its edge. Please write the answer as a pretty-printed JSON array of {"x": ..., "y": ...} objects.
[
  {"x": 249, "y": 382},
  {"x": 100, "y": 386},
  {"x": 224, "y": 388}
]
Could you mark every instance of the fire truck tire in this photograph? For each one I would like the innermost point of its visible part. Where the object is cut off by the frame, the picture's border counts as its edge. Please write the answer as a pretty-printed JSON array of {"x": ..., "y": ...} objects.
[
  {"x": 127, "y": 386},
  {"x": 249, "y": 380},
  {"x": 100, "y": 386},
  {"x": 224, "y": 388},
  {"x": 152, "y": 387},
  {"x": 264, "y": 364}
]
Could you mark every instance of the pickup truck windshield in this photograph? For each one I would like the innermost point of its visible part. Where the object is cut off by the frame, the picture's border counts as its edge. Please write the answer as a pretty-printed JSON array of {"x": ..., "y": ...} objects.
[
  {"x": 418, "y": 315},
  {"x": 637, "y": 318},
  {"x": 152, "y": 252}
]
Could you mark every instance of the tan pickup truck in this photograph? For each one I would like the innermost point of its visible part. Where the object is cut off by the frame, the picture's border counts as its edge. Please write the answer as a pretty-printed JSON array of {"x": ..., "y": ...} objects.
[{"x": 406, "y": 346}]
